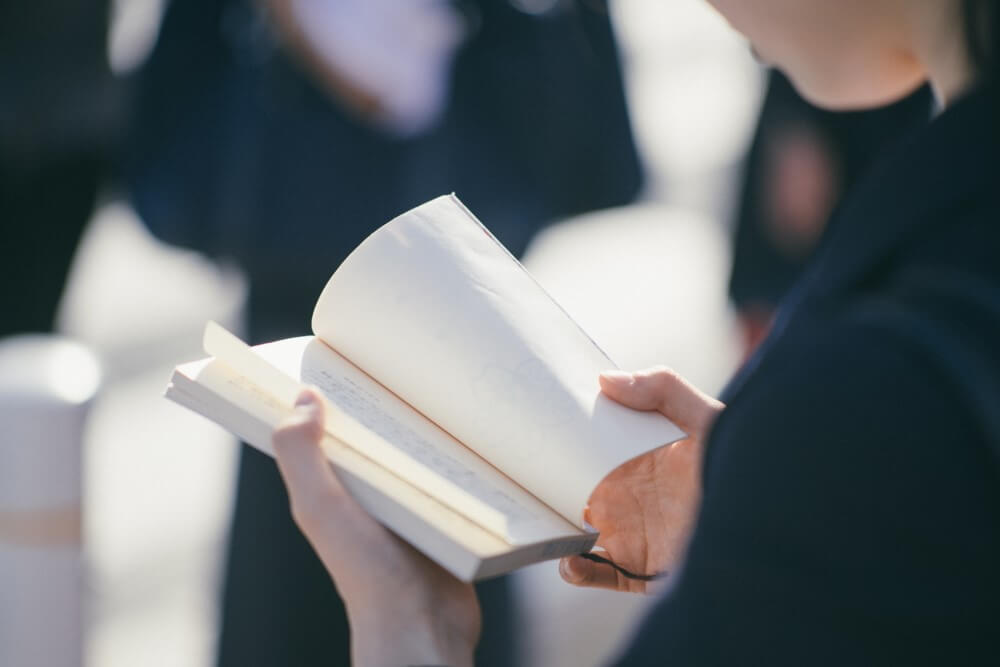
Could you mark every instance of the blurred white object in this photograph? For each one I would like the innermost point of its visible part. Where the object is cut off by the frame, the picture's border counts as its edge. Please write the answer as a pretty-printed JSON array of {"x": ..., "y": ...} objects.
[
  {"x": 648, "y": 283},
  {"x": 132, "y": 33},
  {"x": 139, "y": 302},
  {"x": 398, "y": 52},
  {"x": 47, "y": 384},
  {"x": 157, "y": 482}
]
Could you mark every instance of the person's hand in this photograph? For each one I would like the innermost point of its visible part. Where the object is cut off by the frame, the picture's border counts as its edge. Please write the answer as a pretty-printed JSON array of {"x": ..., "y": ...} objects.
[
  {"x": 645, "y": 508},
  {"x": 403, "y": 609}
]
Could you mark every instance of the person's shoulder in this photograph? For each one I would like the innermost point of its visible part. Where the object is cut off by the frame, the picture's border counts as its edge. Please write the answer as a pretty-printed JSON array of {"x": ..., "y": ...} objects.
[
  {"x": 880, "y": 373},
  {"x": 961, "y": 242},
  {"x": 853, "y": 412},
  {"x": 903, "y": 366},
  {"x": 834, "y": 365},
  {"x": 844, "y": 476},
  {"x": 942, "y": 294}
]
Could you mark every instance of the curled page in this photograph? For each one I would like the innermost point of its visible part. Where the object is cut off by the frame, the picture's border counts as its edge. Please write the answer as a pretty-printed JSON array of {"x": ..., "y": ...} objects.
[{"x": 437, "y": 310}]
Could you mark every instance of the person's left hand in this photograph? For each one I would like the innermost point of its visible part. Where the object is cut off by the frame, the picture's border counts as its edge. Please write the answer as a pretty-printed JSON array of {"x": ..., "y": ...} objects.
[
  {"x": 645, "y": 509},
  {"x": 403, "y": 608}
]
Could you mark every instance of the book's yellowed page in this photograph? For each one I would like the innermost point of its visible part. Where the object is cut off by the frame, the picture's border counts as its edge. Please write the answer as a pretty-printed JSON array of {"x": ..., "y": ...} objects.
[
  {"x": 441, "y": 314},
  {"x": 369, "y": 418}
]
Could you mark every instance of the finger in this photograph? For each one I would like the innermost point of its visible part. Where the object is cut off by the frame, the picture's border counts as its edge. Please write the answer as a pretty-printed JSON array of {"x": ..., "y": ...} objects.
[
  {"x": 313, "y": 489},
  {"x": 588, "y": 574},
  {"x": 665, "y": 391}
]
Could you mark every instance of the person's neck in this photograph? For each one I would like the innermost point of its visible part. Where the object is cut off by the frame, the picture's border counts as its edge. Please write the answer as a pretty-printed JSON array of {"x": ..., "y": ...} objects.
[{"x": 937, "y": 37}]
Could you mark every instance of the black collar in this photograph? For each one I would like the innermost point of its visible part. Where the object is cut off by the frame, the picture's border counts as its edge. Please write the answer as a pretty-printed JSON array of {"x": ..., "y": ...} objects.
[{"x": 913, "y": 188}]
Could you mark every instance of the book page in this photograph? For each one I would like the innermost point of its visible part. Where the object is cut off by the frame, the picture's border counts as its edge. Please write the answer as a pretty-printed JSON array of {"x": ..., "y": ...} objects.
[
  {"x": 370, "y": 419},
  {"x": 442, "y": 315}
]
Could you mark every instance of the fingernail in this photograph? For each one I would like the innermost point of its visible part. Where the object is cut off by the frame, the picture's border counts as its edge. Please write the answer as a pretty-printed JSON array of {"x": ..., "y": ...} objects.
[
  {"x": 566, "y": 571},
  {"x": 306, "y": 399},
  {"x": 618, "y": 377}
]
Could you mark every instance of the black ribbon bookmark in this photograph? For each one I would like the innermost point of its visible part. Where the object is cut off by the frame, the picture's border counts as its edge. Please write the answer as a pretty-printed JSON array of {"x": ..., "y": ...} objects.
[{"x": 621, "y": 570}]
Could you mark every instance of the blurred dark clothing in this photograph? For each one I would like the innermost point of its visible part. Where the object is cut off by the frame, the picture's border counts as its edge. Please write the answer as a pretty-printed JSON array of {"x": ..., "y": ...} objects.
[
  {"x": 238, "y": 153},
  {"x": 44, "y": 209},
  {"x": 771, "y": 249},
  {"x": 851, "y": 493},
  {"x": 57, "y": 94},
  {"x": 59, "y": 108}
]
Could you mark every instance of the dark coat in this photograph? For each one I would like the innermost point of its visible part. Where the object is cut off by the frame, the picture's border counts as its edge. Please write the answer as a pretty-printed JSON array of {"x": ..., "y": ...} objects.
[{"x": 851, "y": 512}]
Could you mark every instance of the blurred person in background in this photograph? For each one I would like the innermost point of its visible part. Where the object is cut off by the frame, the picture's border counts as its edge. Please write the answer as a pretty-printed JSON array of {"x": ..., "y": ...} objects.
[
  {"x": 60, "y": 108},
  {"x": 802, "y": 162},
  {"x": 842, "y": 507},
  {"x": 280, "y": 134}
]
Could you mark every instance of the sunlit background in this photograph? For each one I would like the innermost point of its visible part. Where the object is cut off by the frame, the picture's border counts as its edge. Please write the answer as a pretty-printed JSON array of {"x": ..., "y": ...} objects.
[{"x": 647, "y": 281}]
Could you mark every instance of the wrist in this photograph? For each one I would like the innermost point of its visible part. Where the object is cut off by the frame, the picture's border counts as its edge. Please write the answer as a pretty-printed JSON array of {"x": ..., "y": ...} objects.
[{"x": 391, "y": 634}]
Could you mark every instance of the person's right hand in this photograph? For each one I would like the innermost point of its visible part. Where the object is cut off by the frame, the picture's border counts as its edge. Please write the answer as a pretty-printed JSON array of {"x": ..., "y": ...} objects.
[
  {"x": 645, "y": 509},
  {"x": 403, "y": 608}
]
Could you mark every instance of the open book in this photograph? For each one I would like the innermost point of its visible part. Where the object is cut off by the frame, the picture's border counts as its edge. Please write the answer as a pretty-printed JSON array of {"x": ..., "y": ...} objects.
[{"x": 463, "y": 405}]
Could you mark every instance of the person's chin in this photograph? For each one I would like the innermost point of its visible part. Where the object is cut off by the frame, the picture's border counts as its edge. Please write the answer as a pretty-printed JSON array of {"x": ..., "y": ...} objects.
[{"x": 856, "y": 94}]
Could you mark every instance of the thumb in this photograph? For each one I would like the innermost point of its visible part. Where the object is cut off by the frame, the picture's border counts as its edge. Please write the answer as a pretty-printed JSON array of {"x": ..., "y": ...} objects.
[
  {"x": 665, "y": 391},
  {"x": 313, "y": 487}
]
